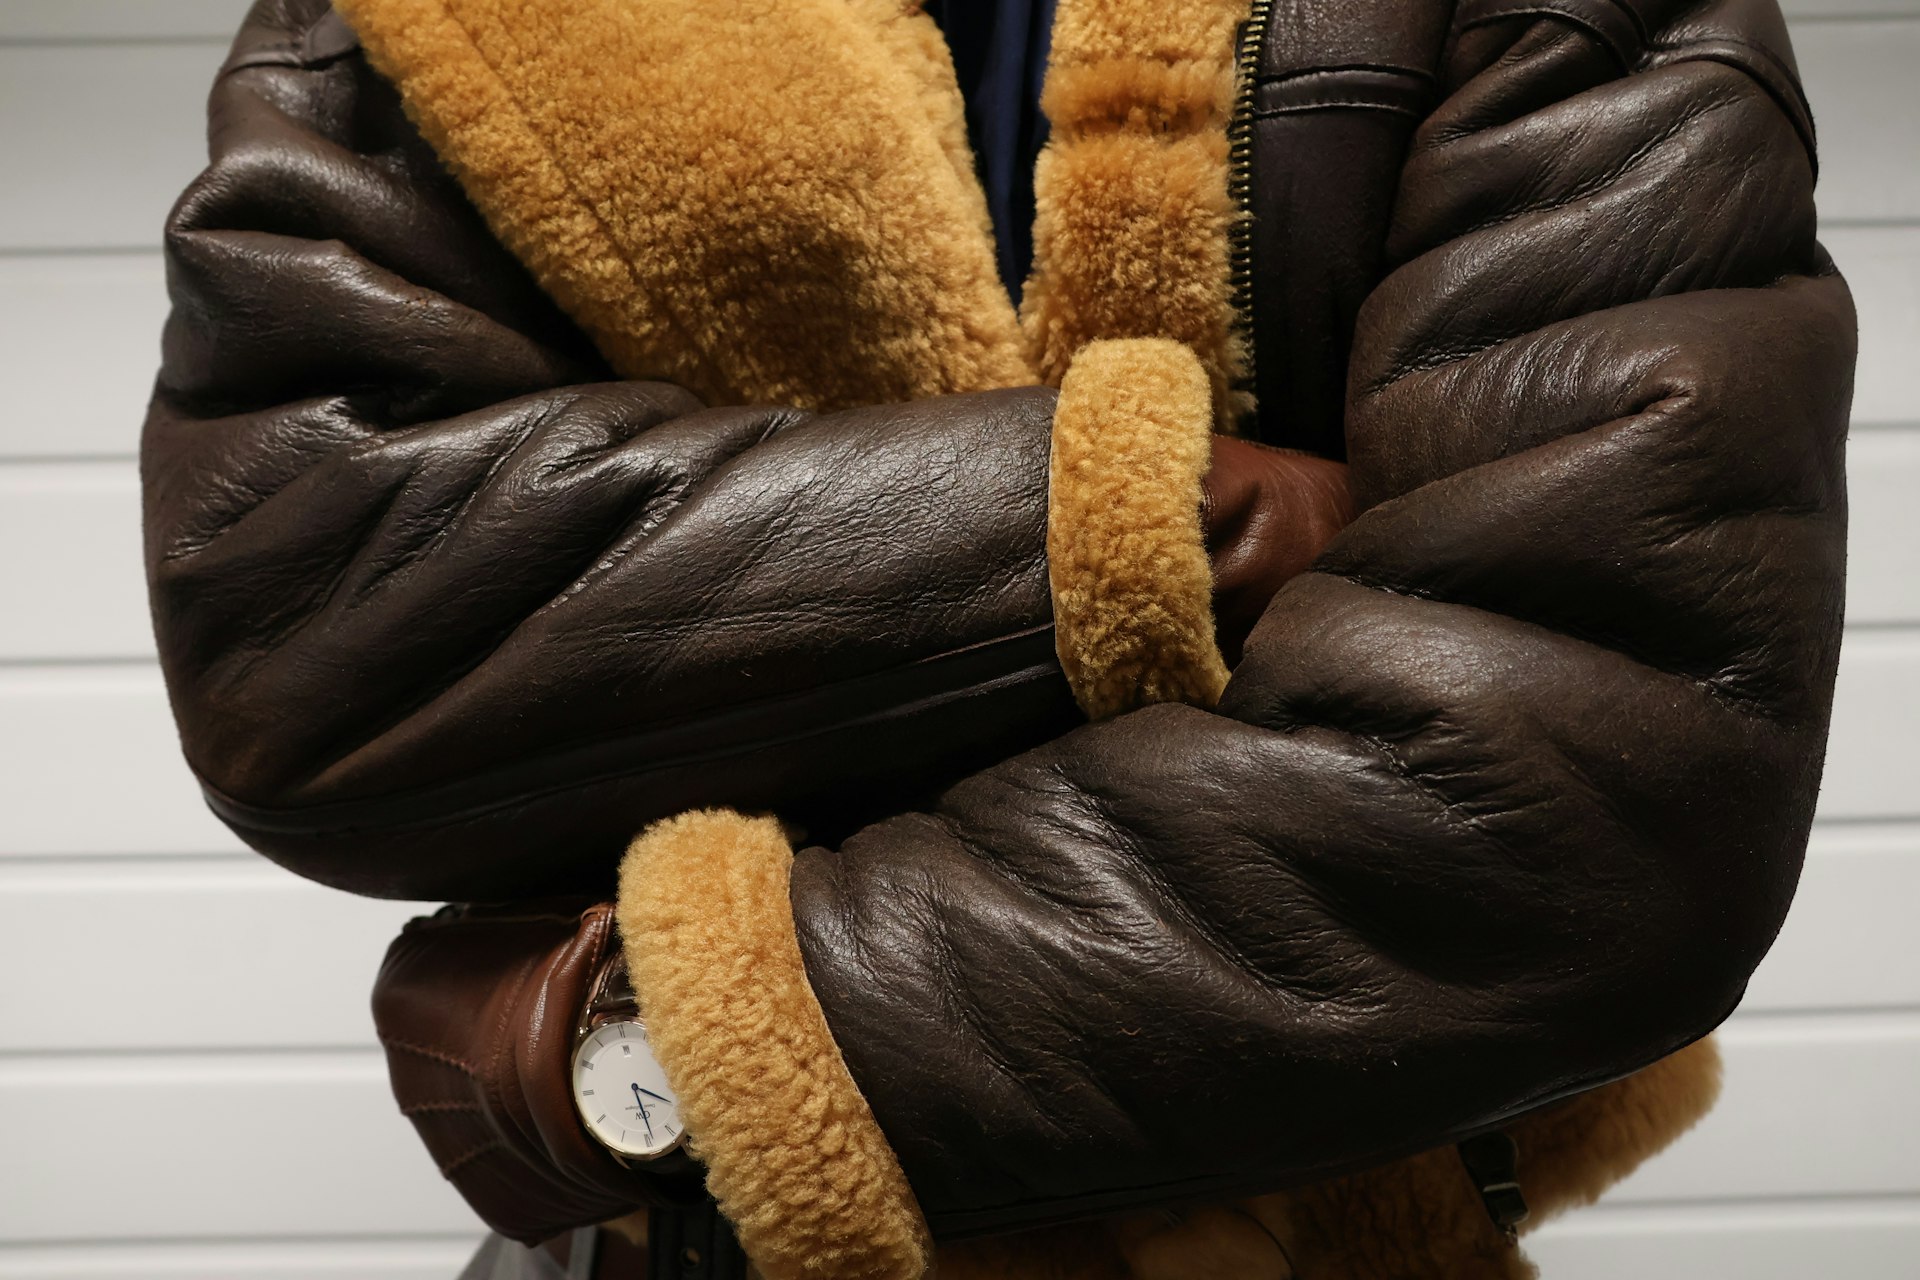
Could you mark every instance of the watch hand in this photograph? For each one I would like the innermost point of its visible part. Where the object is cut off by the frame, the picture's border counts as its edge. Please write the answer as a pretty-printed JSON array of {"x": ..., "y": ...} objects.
[
  {"x": 644, "y": 1118},
  {"x": 650, "y": 1093}
]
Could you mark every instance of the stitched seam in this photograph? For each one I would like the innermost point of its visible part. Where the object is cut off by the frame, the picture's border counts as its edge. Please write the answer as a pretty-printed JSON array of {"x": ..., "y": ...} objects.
[
  {"x": 439, "y": 1108},
  {"x": 1551, "y": 13},
  {"x": 468, "y": 1156},
  {"x": 432, "y": 1055},
  {"x": 1269, "y": 113},
  {"x": 1304, "y": 73}
]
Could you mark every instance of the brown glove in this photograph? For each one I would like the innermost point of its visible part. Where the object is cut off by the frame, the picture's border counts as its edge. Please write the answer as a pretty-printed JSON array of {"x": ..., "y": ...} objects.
[
  {"x": 1267, "y": 513},
  {"x": 477, "y": 1009}
]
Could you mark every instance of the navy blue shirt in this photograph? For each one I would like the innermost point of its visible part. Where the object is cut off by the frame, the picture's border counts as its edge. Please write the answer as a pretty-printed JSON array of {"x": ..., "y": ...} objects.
[{"x": 1000, "y": 56}]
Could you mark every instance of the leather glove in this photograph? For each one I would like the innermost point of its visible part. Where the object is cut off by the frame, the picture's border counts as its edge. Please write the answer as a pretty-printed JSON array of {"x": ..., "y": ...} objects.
[
  {"x": 1267, "y": 514},
  {"x": 477, "y": 1009}
]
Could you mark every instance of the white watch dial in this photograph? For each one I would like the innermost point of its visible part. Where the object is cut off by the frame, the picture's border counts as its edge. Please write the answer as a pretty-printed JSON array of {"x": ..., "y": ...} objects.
[{"x": 622, "y": 1093}]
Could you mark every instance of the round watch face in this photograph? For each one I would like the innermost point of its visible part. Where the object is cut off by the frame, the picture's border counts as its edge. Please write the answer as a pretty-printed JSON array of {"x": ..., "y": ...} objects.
[{"x": 622, "y": 1093}]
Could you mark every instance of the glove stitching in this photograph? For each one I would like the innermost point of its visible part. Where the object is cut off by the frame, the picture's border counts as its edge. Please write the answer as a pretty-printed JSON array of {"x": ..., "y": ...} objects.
[{"x": 433, "y": 1055}]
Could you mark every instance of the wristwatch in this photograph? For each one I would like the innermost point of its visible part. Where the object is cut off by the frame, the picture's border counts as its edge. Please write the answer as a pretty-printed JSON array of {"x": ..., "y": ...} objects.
[
  {"x": 627, "y": 1105},
  {"x": 622, "y": 1094}
]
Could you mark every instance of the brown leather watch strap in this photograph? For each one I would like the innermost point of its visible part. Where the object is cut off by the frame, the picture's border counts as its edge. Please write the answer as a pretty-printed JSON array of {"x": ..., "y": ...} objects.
[{"x": 611, "y": 996}]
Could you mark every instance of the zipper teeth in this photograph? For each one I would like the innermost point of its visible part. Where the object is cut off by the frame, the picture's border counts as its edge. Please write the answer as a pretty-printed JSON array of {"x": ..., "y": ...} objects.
[{"x": 1253, "y": 37}]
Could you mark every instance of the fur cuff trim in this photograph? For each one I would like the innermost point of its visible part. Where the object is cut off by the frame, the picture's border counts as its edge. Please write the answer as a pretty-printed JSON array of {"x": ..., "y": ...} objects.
[
  {"x": 1132, "y": 586},
  {"x": 793, "y": 1153}
]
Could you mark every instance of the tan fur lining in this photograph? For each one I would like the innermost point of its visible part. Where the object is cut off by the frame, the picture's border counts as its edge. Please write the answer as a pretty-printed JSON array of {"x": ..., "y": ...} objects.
[
  {"x": 758, "y": 199},
  {"x": 1132, "y": 587},
  {"x": 794, "y": 1155},
  {"x": 1133, "y": 210}
]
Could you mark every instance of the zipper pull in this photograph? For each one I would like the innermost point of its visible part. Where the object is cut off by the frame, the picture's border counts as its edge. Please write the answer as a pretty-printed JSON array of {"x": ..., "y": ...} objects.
[{"x": 1493, "y": 1162}]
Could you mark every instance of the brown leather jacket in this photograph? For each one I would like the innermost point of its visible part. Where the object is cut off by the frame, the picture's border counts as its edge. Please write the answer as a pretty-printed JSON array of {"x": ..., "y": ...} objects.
[{"x": 1505, "y": 801}]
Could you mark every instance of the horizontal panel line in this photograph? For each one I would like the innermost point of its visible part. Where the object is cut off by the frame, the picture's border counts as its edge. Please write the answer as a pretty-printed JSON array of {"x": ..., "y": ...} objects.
[
  {"x": 1883, "y": 626},
  {"x": 1678, "y": 1205},
  {"x": 344, "y": 1238},
  {"x": 1748, "y": 1018},
  {"x": 1797, "y": 19},
  {"x": 130, "y": 664},
  {"x": 219, "y": 1058},
  {"x": 114, "y": 41},
  {"x": 51, "y": 665},
  {"x": 1813, "y": 1201},
  {"x": 1857, "y": 222},
  {"x": 143, "y": 250},
  {"x": 14, "y": 863},
  {"x": 355, "y": 1054},
  {"x": 1850, "y": 821},
  {"x": 28, "y": 460}
]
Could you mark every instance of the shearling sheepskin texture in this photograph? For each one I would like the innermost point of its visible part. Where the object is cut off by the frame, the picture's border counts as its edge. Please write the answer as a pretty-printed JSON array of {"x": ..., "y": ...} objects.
[
  {"x": 761, "y": 200},
  {"x": 793, "y": 1153},
  {"x": 1132, "y": 586},
  {"x": 1133, "y": 208},
  {"x": 775, "y": 200}
]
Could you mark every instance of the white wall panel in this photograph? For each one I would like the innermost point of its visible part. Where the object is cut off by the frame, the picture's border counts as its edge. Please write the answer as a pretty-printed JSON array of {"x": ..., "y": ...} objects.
[
  {"x": 76, "y": 582},
  {"x": 1866, "y": 109},
  {"x": 1883, "y": 555},
  {"x": 1800, "y": 11},
  {"x": 1811, "y": 1105},
  {"x": 1874, "y": 1240},
  {"x": 165, "y": 1146},
  {"x": 1871, "y": 770},
  {"x": 119, "y": 20},
  {"x": 1848, "y": 941},
  {"x": 1882, "y": 267},
  {"x": 427, "y": 1258},
  {"x": 81, "y": 337},
  {"x": 199, "y": 954},
  {"x": 92, "y": 766},
  {"x": 97, "y": 141}
]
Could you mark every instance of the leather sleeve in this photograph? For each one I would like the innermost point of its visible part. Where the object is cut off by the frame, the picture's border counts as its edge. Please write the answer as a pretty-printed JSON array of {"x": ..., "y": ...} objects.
[
  {"x": 446, "y": 611},
  {"x": 1510, "y": 795}
]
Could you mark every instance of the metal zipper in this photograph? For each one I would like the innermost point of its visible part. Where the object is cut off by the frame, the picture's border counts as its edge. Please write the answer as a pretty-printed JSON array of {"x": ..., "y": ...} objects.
[{"x": 1252, "y": 40}]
